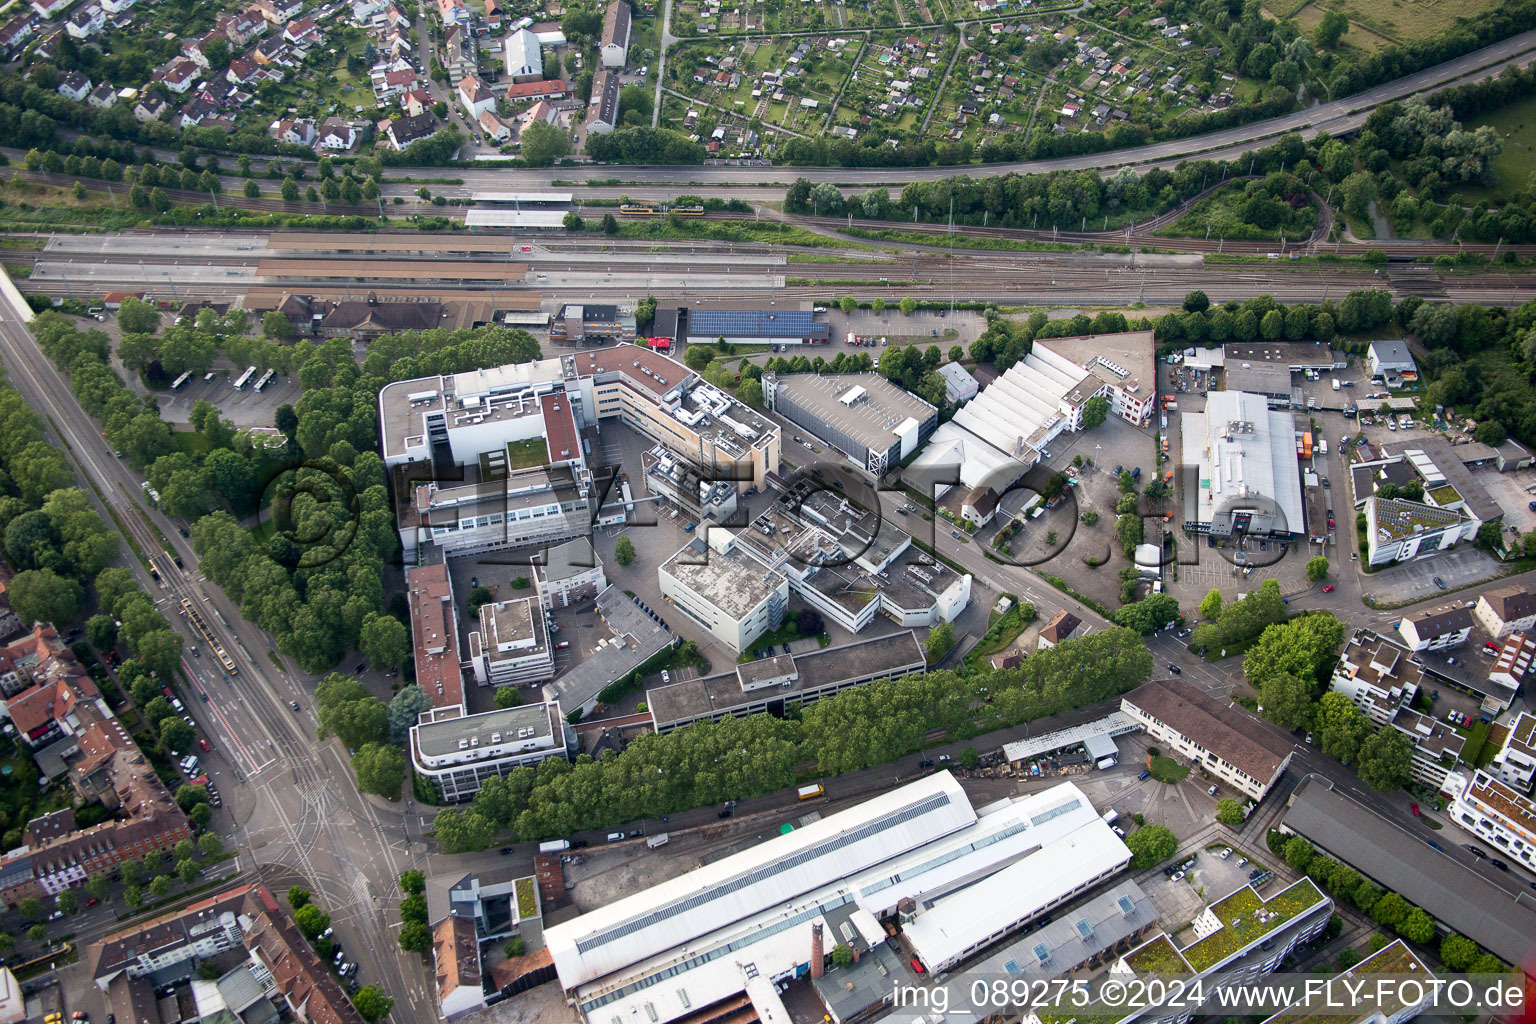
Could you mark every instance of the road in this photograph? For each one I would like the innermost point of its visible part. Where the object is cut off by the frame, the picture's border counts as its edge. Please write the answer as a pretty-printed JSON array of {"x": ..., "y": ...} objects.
[{"x": 288, "y": 799}]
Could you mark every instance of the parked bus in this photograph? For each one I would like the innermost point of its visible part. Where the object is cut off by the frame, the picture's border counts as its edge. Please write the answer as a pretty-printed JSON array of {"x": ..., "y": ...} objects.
[
  {"x": 245, "y": 378},
  {"x": 266, "y": 379},
  {"x": 811, "y": 792},
  {"x": 180, "y": 382}
]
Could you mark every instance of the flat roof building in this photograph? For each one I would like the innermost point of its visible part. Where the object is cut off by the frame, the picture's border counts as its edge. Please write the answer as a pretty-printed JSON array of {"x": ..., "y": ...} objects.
[
  {"x": 1392, "y": 361},
  {"x": 1239, "y": 471},
  {"x": 1515, "y": 763},
  {"x": 731, "y": 596},
  {"x": 1454, "y": 894},
  {"x": 633, "y": 637},
  {"x": 569, "y": 574},
  {"x": 773, "y": 684},
  {"x": 959, "y": 385},
  {"x": 873, "y": 422},
  {"x": 1220, "y": 738},
  {"x": 752, "y": 326},
  {"x": 1397, "y": 530},
  {"x": 1496, "y": 813},
  {"x": 578, "y": 324},
  {"x": 457, "y": 752},
  {"x": 512, "y": 645},
  {"x": 1384, "y": 1004}
]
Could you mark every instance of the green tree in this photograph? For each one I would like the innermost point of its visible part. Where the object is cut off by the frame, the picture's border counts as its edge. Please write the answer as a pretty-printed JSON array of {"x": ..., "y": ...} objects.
[
  {"x": 1317, "y": 569},
  {"x": 1148, "y": 615},
  {"x": 101, "y": 632},
  {"x": 1131, "y": 531},
  {"x": 1150, "y": 845},
  {"x": 543, "y": 144},
  {"x": 372, "y": 1002},
  {"x": 187, "y": 871},
  {"x": 750, "y": 393},
  {"x": 1330, "y": 30},
  {"x": 1285, "y": 698},
  {"x": 380, "y": 769},
  {"x": 251, "y": 189},
  {"x": 38, "y": 933},
  {"x": 135, "y": 316},
  {"x": 1417, "y": 927},
  {"x": 131, "y": 872},
  {"x": 624, "y": 551},
  {"x": 1457, "y": 952},
  {"x": 848, "y": 304},
  {"x": 30, "y": 908},
  {"x": 405, "y": 708},
  {"x": 1095, "y": 412},
  {"x": 67, "y": 901},
  {"x": 200, "y": 815},
  {"x": 1229, "y": 811},
  {"x": 311, "y": 920},
  {"x": 908, "y": 306},
  {"x": 7, "y": 943},
  {"x": 1390, "y": 910},
  {"x": 940, "y": 639},
  {"x": 42, "y": 595},
  {"x": 1196, "y": 302},
  {"x": 160, "y": 886},
  {"x": 289, "y": 190},
  {"x": 507, "y": 697},
  {"x": 176, "y": 735},
  {"x": 1342, "y": 727},
  {"x": 133, "y": 896},
  {"x": 1297, "y": 853},
  {"x": 1210, "y": 605},
  {"x": 460, "y": 831},
  {"x": 413, "y": 882},
  {"x": 97, "y": 886},
  {"x": 298, "y": 897},
  {"x": 415, "y": 937},
  {"x": 210, "y": 845},
  {"x": 1386, "y": 760},
  {"x": 384, "y": 640},
  {"x": 1305, "y": 647},
  {"x": 842, "y": 956}
]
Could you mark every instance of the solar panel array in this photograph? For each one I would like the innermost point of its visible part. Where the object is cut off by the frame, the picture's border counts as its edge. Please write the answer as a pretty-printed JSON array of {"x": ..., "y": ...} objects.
[
  {"x": 755, "y": 323},
  {"x": 746, "y": 879}
]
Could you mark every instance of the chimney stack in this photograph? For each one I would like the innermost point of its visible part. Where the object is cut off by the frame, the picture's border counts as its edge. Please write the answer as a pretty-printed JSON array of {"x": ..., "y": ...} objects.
[
  {"x": 818, "y": 957},
  {"x": 855, "y": 947}
]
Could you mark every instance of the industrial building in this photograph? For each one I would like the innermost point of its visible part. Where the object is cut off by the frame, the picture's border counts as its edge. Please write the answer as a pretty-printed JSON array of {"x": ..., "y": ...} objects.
[
  {"x": 919, "y": 859},
  {"x": 735, "y": 599},
  {"x": 751, "y": 326},
  {"x": 1392, "y": 363},
  {"x": 579, "y": 324},
  {"x": 456, "y": 752},
  {"x": 959, "y": 385},
  {"x": 1386, "y": 852},
  {"x": 1239, "y": 471},
  {"x": 875, "y": 423},
  {"x": 772, "y": 685},
  {"x": 1232, "y": 745},
  {"x": 690, "y": 492},
  {"x": 1011, "y": 423},
  {"x": 512, "y": 646}
]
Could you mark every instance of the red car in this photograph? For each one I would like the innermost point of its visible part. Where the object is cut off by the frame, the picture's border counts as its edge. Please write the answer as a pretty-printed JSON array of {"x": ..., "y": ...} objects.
[
  {"x": 1415, "y": 809},
  {"x": 917, "y": 965},
  {"x": 1328, "y": 589},
  {"x": 204, "y": 744}
]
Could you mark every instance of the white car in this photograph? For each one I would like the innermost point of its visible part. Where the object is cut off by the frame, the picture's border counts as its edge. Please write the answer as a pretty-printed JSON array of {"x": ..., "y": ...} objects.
[{"x": 1176, "y": 876}]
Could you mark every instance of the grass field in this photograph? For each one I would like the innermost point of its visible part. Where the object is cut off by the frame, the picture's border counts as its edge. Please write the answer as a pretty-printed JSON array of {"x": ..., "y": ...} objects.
[
  {"x": 1165, "y": 769},
  {"x": 1359, "y": 35},
  {"x": 1399, "y": 20},
  {"x": 1516, "y": 125}
]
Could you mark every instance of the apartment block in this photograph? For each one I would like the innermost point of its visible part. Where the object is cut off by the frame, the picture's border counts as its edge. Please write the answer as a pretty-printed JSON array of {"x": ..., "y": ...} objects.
[
  {"x": 512, "y": 645},
  {"x": 457, "y": 752},
  {"x": 1223, "y": 739},
  {"x": 1497, "y": 814}
]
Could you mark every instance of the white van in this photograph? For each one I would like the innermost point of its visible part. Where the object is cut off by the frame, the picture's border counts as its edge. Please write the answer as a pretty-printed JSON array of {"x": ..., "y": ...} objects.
[
  {"x": 1335, "y": 383},
  {"x": 614, "y": 837},
  {"x": 189, "y": 764}
]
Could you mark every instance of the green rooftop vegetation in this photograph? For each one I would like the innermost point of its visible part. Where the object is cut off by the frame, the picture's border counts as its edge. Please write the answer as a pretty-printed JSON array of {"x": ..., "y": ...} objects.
[
  {"x": 1243, "y": 924},
  {"x": 1445, "y": 495},
  {"x": 1159, "y": 956},
  {"x": 1396, "y": 958},
  {"x": 527, "y": 906},
  {"x": 527, "y": 454}
]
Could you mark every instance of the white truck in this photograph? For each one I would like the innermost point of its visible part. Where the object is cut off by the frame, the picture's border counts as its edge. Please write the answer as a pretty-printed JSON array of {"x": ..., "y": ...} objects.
[{"x": 555, "y": 846}]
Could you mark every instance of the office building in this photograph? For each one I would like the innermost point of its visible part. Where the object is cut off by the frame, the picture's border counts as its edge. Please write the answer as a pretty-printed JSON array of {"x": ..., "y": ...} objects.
[
  {"x": 735, "y": 599},
  {"x": 1226, "y": 741},
  {"x": 470, "y": 911},
  {"x": 1239, "y": 472},
  {"x": 1011, "y": 423},
  {"x": 1378, "y": 675},
  {"x": 689, "y": 491},
  {"x": 776, "y": 683},
  {"x": 435, "y": 634},
  {"x": 1515, "y": 763},
  {"x": 456, "y": 752},
  {"x": 874, "y": 423},
  {"x": 1506, "y": 610},
  {"x": 1436, "y": 629},
  {"x": 1386, "y": 852},
  {"x": 1398, "y": 530},
  {"x": 569, "y": 574},
  {"x": 1496, "y": 813},
  {"x": 278, "y": 969},
  {"x": 526, "y": 508},
  {"x": 918, "y": 859},
  {"x": 512, "y": 645}
]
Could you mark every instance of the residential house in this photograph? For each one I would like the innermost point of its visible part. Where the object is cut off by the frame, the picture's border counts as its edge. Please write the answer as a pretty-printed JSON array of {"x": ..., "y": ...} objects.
[
  {"x": 86, "y": 21},
  {"x": 16, "y": 31},
  {"x": 475, "y": 97},
  {"x": 390, "y": 84},
  {"x": 242, "y": 71},
  {"x": 405, "y": 130},
  {"x": 552, "y": 89},
  {"x": 279, "y": 12},
  {"x": 1514, "y": 661},
  {"x": 103, "y": 96},
  {"x": 493, "y": 15},
  {"x": 271, "y": 51},
  {"x": 453, "y": 12},
  {"x": 181, "y": 76},
  {"x": 1436, "y": 629},
  {"x": 459, "y": 53},
  {"x": 75, "y": 86},
  {"x": 116, "y": 6},
  {"x": 197, "y": 111},
  {"x": 603, "y": 108},
  {"x": 1515, "y": 763},
  {"x": 242, "y": 27},
  {"x": 616, "y": 34},
  {"x": 295, "y": 133},
  {"x": 494, "y": 127},
  {"x": 1062, "y": 626},
  {"x": 540, "y": 111},
  {"x": 363, "y": 11},
  {"x": 303, "y": 32},
  {"x": 416, "y": 102},
  {"x": 1506, "y": 610},
  {"x": 150, "y": 107},
  {"x": 193, "y": 49},
  {"x": 335, "y": 135},
  {"x": 50, "y": 8},
  {"x": 1238, "y": 748}
]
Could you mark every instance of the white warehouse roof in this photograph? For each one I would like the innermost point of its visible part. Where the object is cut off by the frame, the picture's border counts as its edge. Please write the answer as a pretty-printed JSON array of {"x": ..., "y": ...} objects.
[
  {"x": 720, "y": 894},
  {"x": 1243, "y": 449}
]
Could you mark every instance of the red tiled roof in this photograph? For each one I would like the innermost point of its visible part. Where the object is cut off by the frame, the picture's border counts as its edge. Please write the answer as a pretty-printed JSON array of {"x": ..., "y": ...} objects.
[{"x": 433, "y": 624}]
